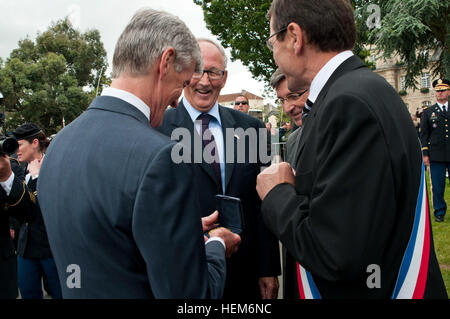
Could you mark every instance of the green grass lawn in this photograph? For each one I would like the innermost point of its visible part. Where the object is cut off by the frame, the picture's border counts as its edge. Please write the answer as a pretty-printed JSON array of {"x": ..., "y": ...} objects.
[{"x": 441, "y": 235}]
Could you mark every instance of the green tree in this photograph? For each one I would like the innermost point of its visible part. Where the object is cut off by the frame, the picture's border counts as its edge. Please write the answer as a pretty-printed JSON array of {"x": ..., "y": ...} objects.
[
  {"x": 242, "y": 26},
  {"x": 417, "y": 30},
  {"x": 410, "y": 28},
  {"x": 52, "y": 80}
]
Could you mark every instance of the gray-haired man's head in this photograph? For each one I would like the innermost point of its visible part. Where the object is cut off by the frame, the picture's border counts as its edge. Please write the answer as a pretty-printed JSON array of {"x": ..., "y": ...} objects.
[{"x": 145, "y": 38}]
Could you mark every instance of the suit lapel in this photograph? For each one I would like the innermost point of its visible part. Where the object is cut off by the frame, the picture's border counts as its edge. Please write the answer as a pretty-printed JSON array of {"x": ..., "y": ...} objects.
[{"x": 348, "y": 65}]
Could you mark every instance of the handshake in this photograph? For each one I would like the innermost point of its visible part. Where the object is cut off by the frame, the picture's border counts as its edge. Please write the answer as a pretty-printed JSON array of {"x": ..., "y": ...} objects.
[{"x": 210, "y": 225}]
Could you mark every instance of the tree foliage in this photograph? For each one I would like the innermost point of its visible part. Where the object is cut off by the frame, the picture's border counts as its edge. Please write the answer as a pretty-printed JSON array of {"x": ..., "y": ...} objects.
[
  {"x": 52, "y": 80},
  {"x": 417, "y": 30},
  {"x": 410, "y": 28},
  {"x": 242, "y": 26}
]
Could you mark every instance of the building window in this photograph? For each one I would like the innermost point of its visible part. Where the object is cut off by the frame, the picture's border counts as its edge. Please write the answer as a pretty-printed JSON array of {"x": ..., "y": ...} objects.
[
  {"x": 403, "y": 83},
  {"x": 425, "y": 80},
  {"x": 426, "y": 104}
]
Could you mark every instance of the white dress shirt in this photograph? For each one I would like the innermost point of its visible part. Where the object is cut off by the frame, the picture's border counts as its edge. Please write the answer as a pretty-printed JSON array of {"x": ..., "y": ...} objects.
[
  {"x": 441, "y": 106},
  {"x": 325, "y": 73},
  {"x": 129, "y": 98}
]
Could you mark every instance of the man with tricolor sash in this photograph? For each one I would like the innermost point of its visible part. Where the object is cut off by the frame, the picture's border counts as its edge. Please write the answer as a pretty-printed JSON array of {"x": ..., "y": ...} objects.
[{"x": 353, "y": 211}]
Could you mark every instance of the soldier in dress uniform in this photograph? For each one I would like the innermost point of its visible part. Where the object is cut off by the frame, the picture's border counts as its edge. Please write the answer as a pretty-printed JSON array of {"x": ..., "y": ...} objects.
[{"x": 435, "y": 138}]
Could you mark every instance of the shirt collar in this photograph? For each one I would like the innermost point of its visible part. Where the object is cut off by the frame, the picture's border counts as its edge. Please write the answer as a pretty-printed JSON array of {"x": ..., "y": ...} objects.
[
  {"x": 441, "y": 105},
  {"x": 325, "y": 73},
  {"x": 129, "y": 98},
  {"x": 194, "y": 113}
]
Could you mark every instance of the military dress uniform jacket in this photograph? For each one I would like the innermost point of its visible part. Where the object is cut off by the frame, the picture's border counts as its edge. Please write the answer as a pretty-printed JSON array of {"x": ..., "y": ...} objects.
[
  {"x": 21, "y": 205},
  {"x": 33, "y": 240},
  {"x": 434, "y": 134}
]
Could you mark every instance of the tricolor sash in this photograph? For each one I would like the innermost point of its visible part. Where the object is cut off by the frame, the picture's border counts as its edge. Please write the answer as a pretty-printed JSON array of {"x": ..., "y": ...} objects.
[
  {"x": 306, "y": 287},
  {"x": 412, "y": 276},
  {"x": 413, "y": 272}
]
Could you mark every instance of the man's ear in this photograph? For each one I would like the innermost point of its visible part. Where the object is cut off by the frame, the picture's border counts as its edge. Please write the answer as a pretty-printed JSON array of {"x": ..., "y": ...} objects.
[
  {"x": 224, "y": 79},
  {"x": 295, "y": 35},
  {"x": 166, "y": 62}
]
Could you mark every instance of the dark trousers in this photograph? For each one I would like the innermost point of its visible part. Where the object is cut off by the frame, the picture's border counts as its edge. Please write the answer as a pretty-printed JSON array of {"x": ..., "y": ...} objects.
[
  {"x": 30, "y": 272},
  {"x": 438, "y": 171}
]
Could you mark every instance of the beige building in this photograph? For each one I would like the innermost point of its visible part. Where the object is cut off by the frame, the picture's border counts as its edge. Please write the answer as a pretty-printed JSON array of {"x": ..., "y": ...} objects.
[
  {"x": 256, "y": 102},
  {"x": 394, "y": 72}
]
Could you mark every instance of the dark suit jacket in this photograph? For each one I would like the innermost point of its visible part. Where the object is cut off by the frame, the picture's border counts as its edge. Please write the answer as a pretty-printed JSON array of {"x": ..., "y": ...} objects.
[
  {"x": 434, "y": 134},
  {"x": 258, "y": 254},
  {"x": 357, "y": 179},
  {"x": 21, "y": 205},
  {"x": 126, "y": 215}
]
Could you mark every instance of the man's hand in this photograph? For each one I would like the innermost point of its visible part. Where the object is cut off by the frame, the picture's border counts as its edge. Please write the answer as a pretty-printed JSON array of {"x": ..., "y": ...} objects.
[
  {"x": 268, "y": 286},
  {"x": 232, "y": 240},
  {"x": 12, "y": 233},
  {"x": 426, "y": 160},
  {"x": 5, "y": 168},
  {"x": 210, "y": 222},
  {"x": 272, "y": 176}
]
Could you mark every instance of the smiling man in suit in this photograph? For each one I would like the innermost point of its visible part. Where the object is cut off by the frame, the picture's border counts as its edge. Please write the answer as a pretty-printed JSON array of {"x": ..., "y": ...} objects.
[
  {"x": 348, "y": 213},
  {"x": 252, "y": 271},
  {"x": 124, "y": 223}
]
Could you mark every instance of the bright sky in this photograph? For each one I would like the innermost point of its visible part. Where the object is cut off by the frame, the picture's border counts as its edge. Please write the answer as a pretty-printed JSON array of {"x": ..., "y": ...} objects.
[{"x": 24, "y": 18}]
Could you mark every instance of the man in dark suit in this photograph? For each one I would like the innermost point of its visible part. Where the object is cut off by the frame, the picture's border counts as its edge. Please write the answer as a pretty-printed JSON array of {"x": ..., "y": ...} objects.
[
  {"x": 292, "y": 103},
  {"x": 125, "y": 224},
  {"x": 18, "y": 202},
  {"x": 251, "y": 272},
  {"x": 358, "y": 193},
  {"x": 434, "y": 135}
]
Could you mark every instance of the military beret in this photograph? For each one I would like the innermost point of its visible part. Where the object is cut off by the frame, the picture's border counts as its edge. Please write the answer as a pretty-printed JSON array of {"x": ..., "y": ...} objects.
[
  {"x": 26, "y": 130},
  {"x": 441, "y": 84}
]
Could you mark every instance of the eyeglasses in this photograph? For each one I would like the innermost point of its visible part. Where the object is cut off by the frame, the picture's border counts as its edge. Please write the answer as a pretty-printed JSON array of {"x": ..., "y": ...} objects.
[
  {"x": 241, "y": 102},
  {"x": 268, "y": 43},
  {"x": 291, "y": 97},
  {"x": 213, "y": 74}
]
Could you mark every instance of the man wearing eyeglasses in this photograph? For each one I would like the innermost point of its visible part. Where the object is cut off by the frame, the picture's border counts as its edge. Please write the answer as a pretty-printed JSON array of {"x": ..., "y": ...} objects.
[
  {"x": 292, "y": 103},
  {"x": 252, "y": 271},
  {"x": 241, "y": 104},
  {"x": 353, "y": 210}
]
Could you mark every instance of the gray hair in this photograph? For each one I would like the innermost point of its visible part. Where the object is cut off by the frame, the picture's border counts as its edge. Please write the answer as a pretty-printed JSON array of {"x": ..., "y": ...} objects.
[
  {"x": 145, "y": 38},
  {"x": 219, "y": 47},
  {"x": 277, "y": 78}
]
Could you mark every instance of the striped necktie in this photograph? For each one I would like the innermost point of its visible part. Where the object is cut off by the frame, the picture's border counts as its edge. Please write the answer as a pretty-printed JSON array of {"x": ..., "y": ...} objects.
[
  {"x": 205, "y": 119},
  {"x": 307, "y": 108}
]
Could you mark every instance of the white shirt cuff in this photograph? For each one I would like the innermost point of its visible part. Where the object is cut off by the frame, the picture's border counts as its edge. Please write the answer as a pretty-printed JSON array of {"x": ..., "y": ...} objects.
[
  {"x": 216, "y": 239},
  {"x": 7, "y": 185}
]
